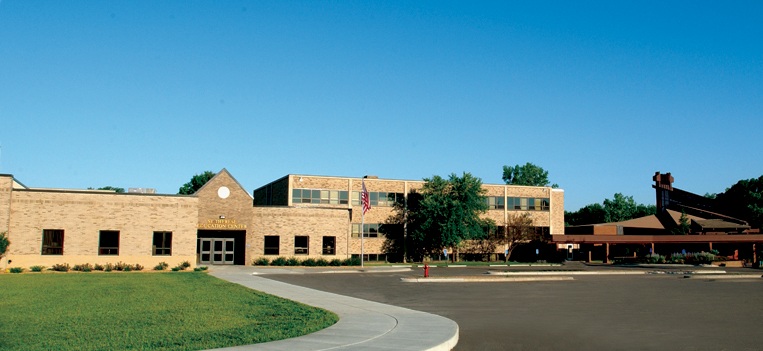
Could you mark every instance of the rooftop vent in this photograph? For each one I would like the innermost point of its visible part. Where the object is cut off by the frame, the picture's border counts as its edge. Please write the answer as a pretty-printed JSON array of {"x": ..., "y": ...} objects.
[{"x": 141, "y": 190}]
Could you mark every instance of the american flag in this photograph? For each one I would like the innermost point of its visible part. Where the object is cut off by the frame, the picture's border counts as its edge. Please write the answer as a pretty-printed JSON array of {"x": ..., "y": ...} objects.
[{"x": 364, "y": 200}]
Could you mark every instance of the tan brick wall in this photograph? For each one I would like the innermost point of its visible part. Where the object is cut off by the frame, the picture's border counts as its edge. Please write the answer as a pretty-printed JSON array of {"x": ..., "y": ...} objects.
[
  {"x": 235, "y": 210},
  {"x": 82, "y": 215},
  {"x": 6, "y": 186},
  {"x": 557, "y": 212},
  {"x": 289, "y": 222}
]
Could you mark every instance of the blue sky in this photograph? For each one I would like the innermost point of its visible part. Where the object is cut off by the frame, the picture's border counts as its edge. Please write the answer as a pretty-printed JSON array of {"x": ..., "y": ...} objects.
[{"x": 600, "y": 94}]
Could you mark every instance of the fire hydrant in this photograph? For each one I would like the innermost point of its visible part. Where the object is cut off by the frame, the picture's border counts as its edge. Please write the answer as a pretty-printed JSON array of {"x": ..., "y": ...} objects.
[{"x": 426, "y": 270}]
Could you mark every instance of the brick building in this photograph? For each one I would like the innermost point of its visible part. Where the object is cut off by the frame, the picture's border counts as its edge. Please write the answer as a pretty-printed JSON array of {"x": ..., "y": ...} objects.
[{"x": 297, "y": 215}]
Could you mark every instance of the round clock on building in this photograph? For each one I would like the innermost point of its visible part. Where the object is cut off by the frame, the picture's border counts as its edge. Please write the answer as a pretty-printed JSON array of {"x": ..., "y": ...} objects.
[{"x": 223, "y": 192}]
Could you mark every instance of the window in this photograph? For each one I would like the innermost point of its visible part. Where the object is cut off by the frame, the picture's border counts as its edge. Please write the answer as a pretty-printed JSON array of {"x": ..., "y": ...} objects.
[
  {"x": 494, "y": 233},
  {"x": 494, "y": 202},
  {"x": 108, "y": 242},
  {"x": 377, "y": 198},
  {"x": 52, "y": 242},
  {"x": 528, "y": 204},
  {"x": 162, "y": 244},
  {"x": 272, "y": 244},
  {"x": 370, "y": 230},
  {"x": 313, "y": 196},
  {"x": 301, "y": 245},
  {"x": 329, "y": 245}
]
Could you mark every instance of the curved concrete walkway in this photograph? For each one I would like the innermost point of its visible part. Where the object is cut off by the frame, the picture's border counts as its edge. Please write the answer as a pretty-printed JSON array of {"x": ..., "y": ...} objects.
[{"x": 363, "y": 325}]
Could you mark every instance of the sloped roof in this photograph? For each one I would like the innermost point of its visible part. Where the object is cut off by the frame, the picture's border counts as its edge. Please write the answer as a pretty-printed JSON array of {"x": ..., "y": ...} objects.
[{"x": 651, "y": 221}]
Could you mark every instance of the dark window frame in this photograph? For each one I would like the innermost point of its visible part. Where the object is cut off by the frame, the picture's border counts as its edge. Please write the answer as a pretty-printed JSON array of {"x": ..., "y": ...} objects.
[
  {"x": 162, "y": 246},
  {"x": 272, "y": 250},
  {"x": 302, "y": 249},
  {"x": 52, "y": 242},
  {"x": 108, "y": 250},
  {"x": 329, "y": 249}
]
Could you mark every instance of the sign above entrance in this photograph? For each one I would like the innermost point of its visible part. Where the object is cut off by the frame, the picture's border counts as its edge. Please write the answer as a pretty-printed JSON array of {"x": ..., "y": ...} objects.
[{"x": 221, "y": 224}]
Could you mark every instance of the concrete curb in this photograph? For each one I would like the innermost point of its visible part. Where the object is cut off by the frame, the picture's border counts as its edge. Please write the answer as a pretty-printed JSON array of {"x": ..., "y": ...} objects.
[
  {"x": 484, "y": 279},
  {"x": 526, "y": 273},
  {"x": 363, "y": 325},
  {"x": 725, "y": 276}
]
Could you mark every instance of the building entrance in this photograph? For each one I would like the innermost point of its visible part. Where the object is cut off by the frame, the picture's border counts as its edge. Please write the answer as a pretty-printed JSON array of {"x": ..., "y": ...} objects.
[
  {"x": 217, "y": 251},
  {"x": 221, "y": 247}
]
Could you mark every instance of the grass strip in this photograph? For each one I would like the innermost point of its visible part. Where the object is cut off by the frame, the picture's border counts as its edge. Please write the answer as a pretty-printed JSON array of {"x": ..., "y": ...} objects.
[{"x": 153, "y": 311}]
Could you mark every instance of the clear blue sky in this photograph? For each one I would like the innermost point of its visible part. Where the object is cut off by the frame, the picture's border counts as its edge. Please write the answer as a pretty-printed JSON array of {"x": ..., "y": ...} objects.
[{"x": 600, "y": 94}]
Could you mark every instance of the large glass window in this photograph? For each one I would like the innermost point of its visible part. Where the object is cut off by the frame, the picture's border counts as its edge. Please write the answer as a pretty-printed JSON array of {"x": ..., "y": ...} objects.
[
  {"x": 494, "y": 202},
  {"x": 329, "y": 245},
  {"x": 316, "y": 196},
  {"x": 52, "y": 242},
  {"x": 528, "y": 204},
  {"x": 370, "y": 230},
  {"x": 272, "y": 244},
  {"x": 379, "y": 198},
  {"x": 301, "y": 245},
  {"x": 162, "y": 244},
  {"x": 108, "y": 242}
]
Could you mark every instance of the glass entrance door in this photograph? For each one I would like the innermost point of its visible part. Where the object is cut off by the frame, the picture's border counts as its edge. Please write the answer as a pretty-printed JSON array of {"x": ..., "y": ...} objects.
[{"x": 216, "y": 251}]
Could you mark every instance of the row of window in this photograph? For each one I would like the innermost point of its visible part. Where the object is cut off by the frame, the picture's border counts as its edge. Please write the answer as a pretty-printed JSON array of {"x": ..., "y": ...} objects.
[
  {"x": 341, "y": 197},
  {"x": 370, "y": 230},
  {"x": 379, "y": 198},
  {"x": 499, "y": 232},
  {"x": 108, "y": 243},
  {"x": 314, "y": 196},
  {"x": 301, "y": 245},
  {"x": 518, "y": 203}
]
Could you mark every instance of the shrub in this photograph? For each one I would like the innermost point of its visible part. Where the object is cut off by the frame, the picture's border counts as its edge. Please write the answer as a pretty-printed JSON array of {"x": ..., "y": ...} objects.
[
  {"x": 37, "y": 268},
  {"x": 126, "y": 268},
  {"x": 309, "y": 262},
  {"x": 137, "y": 267},
  {"x": 120, "y": 266},
  {"x": 203, "y": 268},
  {"x": 60, "y": 267},
  {"x": 185, "y": 264},
  {"x": 278, "y": 261},
  {"x": 176, "y": 268},
  {"x": 700, "y": 258},
  {"x": 108, "y": 267},
  {"x": 16, "y": 269},
  {"x": 292, "y": 261},
  {"x": 98, "y": 267},
  {"x": 181, "y": 266},
  {"x": 262, "y": 261},
  {"x": 86, "y": 267},
  {"x": 161, "y": 266},
  {"x": 4, "y": 243},
  {"x": 322, "y": 262},
  {"x": 353, "y": 261},
  {"x": 335, "y": 262},
  {"x": 655, "y": 258}
]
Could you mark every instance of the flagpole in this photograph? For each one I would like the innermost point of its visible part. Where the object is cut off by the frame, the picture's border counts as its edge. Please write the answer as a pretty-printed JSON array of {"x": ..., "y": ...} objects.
[
  {"x": 362, "y": 218},
  {"x": 362, "y": 233}
]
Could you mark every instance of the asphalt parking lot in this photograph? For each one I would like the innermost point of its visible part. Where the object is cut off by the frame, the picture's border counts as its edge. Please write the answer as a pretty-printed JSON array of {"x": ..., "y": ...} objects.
[{"x": 596, "y": 312}]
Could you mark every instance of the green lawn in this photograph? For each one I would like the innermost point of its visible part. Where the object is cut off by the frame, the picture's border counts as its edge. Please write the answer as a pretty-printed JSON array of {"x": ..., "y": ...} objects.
[{"x": 143, "y": 311}]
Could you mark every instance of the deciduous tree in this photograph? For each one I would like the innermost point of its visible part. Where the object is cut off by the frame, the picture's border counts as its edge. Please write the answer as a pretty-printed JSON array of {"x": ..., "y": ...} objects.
[
  {"x": 519, "y": 229},
  {"x": 529, "y": 174},
  {"x": 620, "y": 208},
  {"x": 745, "y": 200},
  {"x": 4, "y": 243},
  {"x": 196, "y": 182},
  {"x": 442, "y": 214},
  {"x": 113, "y": 188}
]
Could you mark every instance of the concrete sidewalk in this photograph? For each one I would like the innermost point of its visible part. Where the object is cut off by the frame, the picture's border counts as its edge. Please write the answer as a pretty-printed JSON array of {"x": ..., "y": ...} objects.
[{"x": 363, "y": 325}]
